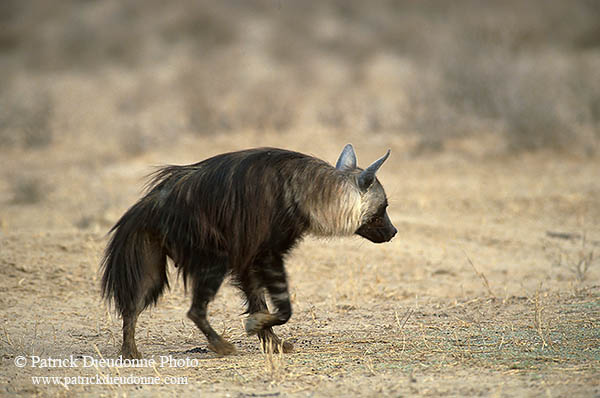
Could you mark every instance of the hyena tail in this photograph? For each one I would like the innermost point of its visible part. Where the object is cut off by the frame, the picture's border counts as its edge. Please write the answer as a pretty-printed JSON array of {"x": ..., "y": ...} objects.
[{"x": 134, "y": 264}]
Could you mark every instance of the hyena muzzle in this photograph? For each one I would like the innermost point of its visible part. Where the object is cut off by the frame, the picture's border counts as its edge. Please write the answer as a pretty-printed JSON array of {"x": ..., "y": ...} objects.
[{"x": 236, "y": 214}]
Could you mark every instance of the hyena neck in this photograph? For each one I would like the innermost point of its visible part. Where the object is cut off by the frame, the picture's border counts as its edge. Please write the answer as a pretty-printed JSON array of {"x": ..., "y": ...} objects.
[{"x": 333, "y": 205}]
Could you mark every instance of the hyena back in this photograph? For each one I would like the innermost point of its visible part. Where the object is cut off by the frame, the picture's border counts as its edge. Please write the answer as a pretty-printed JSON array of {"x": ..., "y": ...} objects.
[{"x": 236, "y": 214}]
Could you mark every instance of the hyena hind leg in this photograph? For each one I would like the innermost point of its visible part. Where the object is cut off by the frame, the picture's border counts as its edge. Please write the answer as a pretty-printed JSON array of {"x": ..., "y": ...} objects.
[
  {"x": 207, "y": 281},
  {"x": 128, "y": 348},
  {"x": 255, "y": 297},
  {"x": 153, "y": 280}
]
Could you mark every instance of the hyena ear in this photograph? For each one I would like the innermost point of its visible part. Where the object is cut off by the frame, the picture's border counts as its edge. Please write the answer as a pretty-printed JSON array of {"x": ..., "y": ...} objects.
[
  {"x": 366, "y": 178},
  {"x": 347, "y": 159}
]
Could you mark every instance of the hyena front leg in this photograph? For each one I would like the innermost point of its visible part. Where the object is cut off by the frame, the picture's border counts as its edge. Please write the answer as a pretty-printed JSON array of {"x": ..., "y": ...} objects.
[
  {"x": 271, "y": 275},
  {"x": 255, "y": 297},
  {"x": 207, "y": 281}
]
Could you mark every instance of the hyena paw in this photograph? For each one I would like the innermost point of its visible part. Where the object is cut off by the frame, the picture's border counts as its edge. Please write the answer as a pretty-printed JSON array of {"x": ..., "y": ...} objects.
[
  {"x": 221, "y": 347},
  {"x": 257, "y": 321},
  {"x": 286, "y": 346},
  {"x": 271, "y": 343},
  {"x": 130, "y": 353},
  {"x": 277, "y": 346}
]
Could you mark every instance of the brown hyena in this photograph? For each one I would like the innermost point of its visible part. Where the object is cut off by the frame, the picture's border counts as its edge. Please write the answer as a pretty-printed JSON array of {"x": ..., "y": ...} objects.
[{"x": 236, "y": 214}]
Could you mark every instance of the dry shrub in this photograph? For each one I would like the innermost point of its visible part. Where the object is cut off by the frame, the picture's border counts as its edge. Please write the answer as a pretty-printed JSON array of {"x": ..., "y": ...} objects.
[
  {"x": 28, "y": 190},
  {"x": 25, "y": 120},
  {"x": 516, "y": 70},
  {"x": 525, "y": 71}
]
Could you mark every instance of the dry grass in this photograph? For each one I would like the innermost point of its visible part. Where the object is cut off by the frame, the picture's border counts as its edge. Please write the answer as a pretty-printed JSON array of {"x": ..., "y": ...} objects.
[
  {"x": 482, "y": 276},
  {"x": 579, "y": 259},
  {"x": 375, "y": 346}
]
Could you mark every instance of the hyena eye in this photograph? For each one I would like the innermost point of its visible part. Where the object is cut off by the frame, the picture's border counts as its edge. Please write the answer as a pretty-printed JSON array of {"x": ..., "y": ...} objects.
[
  {"x": 381, "y": 211},
  {"x": 376, "y": 218}
]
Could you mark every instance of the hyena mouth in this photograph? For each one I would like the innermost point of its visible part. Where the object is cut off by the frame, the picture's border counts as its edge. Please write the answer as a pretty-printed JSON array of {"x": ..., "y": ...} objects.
[
  {"x": 378, "y": 229},
  {"x": 377, "y": 234}
]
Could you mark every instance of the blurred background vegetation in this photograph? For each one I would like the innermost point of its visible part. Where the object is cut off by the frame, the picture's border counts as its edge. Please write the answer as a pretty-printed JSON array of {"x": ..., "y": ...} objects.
[{"x": 137, "y": 74}]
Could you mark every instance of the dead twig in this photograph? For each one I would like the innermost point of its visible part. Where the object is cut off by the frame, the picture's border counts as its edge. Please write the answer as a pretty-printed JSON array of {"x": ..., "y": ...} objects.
[
  {"x": 538, "y": 318},
  {"x": 481, "y": 275},
  {"x": 405, "y": 318},
  {"x": 579, "y": 263}
]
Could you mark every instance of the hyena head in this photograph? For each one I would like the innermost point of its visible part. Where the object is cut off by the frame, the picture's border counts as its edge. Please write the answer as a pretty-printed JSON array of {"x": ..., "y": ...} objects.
[{"x": 375, "y": 224}]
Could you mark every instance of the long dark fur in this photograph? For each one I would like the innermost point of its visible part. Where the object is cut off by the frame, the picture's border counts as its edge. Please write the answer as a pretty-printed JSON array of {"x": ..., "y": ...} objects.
[
  {"x": 231, "y": 205},
  {"x": 238, "y": 213}
]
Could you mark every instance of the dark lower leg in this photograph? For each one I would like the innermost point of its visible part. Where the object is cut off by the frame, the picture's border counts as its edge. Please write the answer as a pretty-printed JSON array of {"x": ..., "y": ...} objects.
[
  {"x": 206, "y": 284},
  {"x": 256, "y": 304},
  {"x": 273, "y": 277},
  {"x": 216, "y": 343},
  {"x": 129, "y": 349}
]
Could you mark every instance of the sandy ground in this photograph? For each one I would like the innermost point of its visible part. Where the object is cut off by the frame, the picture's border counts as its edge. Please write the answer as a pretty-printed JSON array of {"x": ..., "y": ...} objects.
[{"x": 478, "y": 294}]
